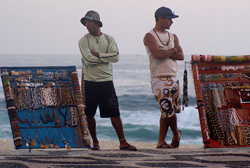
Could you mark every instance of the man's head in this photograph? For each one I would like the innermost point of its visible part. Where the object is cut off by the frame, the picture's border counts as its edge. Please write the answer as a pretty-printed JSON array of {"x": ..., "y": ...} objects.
[
  {"x": 164, "y": 12},
  {"x": 92, "y": 16}
]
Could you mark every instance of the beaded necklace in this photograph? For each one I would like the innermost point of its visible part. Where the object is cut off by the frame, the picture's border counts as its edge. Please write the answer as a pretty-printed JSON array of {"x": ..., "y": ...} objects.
[
  {"x": 21, "y": 96},
  {"x": 67, "y": 146},
  {"x": 58, "y": 119},
  {"x": 46, "y": 146},
  {"x": 27, "y": 142},
  {"x": 223, "y": 118},
  {"x": 70, "y": 96},
  {"x": 222, "y": 96},
  {"x": 234, "y": 121},
  {"x": 25, "y": 120},
  {"x": 64, "y": 116},
  {"x": 160, "y": 39},
  {"x": 232, "y": 139},
  {"x": 30, "y": 122},
  {"x": 247, "y": 134},
  {"x": 72, "y": 116},
  {"x": 34, "y": 119},
  {"x": 44, "y": 121},
  {"x": 52, "y": 140},
  {"x": 52, "y": 117},
  {"x": 56, "y": 144},
  {"x": 241, "y": 138},
  {"x": 215, "y": 130},
  {"x": 32, "y": 142},
  {"x": 40, "y": 143},
  {"x": 36, "y": 98},
  {"x": 185, "y": 89}
]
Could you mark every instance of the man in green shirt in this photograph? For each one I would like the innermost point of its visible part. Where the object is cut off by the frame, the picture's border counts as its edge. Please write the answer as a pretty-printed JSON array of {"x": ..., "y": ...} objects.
[{"x": 98, "y": 51}]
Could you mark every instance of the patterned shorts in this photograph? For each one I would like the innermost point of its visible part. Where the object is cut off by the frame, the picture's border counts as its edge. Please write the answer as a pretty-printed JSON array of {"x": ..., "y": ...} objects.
[{"x": 167, "y": 94}]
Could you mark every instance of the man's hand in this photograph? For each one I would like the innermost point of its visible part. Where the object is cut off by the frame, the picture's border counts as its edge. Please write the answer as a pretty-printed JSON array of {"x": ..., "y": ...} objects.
[{"x": 96, "y": 54}]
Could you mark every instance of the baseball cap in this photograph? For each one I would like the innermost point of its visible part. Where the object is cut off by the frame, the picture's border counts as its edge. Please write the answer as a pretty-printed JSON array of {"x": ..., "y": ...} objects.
[
  {"x": 91, "y": 15},
  {"x": 165, "y": 12}
]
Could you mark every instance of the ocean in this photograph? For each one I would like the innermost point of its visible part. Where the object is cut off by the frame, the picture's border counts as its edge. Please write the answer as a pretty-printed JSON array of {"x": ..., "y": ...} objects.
[{"x": 139, "y": 111}]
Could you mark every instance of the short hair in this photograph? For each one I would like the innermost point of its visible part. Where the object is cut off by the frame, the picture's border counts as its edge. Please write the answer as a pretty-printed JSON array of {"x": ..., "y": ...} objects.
[{"x": 157, "y": 18}]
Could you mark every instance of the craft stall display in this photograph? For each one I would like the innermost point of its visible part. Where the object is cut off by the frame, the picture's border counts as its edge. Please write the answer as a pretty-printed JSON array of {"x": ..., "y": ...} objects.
[
  {"x": 222, "y": 86},
  {"x": 45, "y": 107}
]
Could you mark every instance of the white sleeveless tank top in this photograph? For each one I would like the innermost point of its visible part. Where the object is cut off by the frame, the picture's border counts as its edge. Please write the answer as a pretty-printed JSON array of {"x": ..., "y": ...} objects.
[{"x": 162, "y": 67}]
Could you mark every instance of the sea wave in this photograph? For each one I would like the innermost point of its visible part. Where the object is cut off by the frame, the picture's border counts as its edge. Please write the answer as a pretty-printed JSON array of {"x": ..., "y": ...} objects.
[{"x": 139, "y": 111}]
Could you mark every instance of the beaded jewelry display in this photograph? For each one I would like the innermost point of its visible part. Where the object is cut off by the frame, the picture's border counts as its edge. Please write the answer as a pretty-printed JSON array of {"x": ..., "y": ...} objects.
[
  {"x": 39, "y": 99},
  {"x": 224, "y": 99}
]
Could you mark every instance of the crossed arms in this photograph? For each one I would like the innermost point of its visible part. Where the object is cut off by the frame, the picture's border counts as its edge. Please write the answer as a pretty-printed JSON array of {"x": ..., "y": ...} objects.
[{"x": 175, "y": 53}]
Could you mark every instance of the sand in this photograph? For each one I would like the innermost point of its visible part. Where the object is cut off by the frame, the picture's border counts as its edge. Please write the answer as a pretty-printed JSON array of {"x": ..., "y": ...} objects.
[
  {"x": 7, "y": 144},
  {"x": 139, "y": 145}
]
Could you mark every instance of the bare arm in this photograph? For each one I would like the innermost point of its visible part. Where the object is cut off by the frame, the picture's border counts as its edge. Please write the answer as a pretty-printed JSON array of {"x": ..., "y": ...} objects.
[
  {"x": 178, "y": 55},
  {"x": 154, "y": 48}
]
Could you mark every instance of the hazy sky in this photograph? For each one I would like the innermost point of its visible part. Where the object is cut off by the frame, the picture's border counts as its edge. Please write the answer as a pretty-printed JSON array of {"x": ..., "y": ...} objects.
[{"x": 219, "y": 27}]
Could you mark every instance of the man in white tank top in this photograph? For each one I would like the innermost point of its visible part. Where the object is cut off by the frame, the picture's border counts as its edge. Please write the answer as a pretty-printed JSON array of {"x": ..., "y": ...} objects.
[{"x": 164, "y": 50}]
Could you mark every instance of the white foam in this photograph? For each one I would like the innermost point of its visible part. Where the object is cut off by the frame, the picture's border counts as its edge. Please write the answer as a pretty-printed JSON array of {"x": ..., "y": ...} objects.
[{"x": 188, "y": 119}]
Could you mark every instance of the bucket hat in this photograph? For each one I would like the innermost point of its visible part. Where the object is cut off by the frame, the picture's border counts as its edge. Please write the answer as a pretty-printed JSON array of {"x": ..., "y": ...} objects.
[{"x": 92, "y": 15}]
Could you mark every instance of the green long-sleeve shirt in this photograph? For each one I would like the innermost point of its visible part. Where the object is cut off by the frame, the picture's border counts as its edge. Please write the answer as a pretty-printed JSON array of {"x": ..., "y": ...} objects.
[{"x": 98, "y": 69}]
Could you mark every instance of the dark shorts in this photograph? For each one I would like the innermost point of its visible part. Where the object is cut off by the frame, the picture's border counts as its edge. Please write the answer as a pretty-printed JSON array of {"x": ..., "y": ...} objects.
[{"x": 104, "y": 95}]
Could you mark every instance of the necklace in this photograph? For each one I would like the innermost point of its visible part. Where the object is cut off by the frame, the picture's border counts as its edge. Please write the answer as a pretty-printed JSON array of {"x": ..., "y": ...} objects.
[
  {"x": 97, "y": 38},
  {"x": 41, "y": 116},
  {"x": 25, "y": 120},
  {"x": 56, "y": 144},
  {"x": 40, "y": 142},
  {"x": 34, "y": 119},
  {"x": 30, "y": 122},
  {"x": 32, "y": 142},
  {"x": 58, "y": 120},
  {"x": 160, "y": 39},
  {"x": 50, "y": 142},
  {"x": 46, "y": 146},
  {"x": 64, "y": 116},
  {"x": 72, "y": 116},
  {"x": 48, "y": 116},
  {"x": 27, "y": 142},
  {"x": 66, "y": 144}
]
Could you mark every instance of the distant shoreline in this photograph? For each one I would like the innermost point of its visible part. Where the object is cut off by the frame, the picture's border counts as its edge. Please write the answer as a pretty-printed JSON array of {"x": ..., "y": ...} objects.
[{"x": 7, "y": 144}]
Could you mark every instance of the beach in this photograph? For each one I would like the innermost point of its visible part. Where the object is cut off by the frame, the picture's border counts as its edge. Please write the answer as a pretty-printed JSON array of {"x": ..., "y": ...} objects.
[
  {"x": 7, "y": 144},
  {"x": 111, "y": 156},
  {"x": 133, "y": 88},
  {"x": 106, "y": 145}
]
